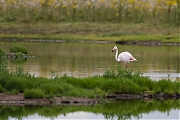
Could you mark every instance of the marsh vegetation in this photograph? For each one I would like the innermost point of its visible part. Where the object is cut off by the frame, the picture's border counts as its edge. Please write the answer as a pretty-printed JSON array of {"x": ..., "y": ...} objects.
[
  {"x": 117, "y": 20},
  {"x": 113, "y": 81}
]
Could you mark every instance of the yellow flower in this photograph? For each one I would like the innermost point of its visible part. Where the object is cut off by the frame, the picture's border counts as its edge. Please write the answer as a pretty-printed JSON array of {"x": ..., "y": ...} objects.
[
  {"x": 131, "y": 1},
  {"x": 41, "y": 1},
  {"x": 170, "y": 2},
  {"x": 117, "y": 14},
  {"x": 74, "y": 6},
  {"x": 65, "y": 6},
  {"x": 89, "y": 4}
]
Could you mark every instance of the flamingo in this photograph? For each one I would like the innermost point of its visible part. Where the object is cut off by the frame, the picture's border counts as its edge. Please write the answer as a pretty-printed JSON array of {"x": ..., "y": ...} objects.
[{"x": 124, "y": 57}]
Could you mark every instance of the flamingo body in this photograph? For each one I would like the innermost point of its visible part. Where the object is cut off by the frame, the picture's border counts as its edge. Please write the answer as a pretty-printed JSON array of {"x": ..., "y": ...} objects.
[{"x": 124, "y": 57}]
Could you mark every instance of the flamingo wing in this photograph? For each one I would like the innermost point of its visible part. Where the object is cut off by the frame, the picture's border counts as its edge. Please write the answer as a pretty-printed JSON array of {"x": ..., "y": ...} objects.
[{"x": 126, "y": 57}]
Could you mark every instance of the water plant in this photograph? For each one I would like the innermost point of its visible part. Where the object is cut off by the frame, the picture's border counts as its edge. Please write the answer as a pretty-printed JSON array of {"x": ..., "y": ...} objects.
[
  {"x": 18, "y": 49},
  {"x": 2, "y": 52},
  {"x": 114, "y": 81},
  {"x": 33, "y": 93},
  {"x": 3, "y": 64}
]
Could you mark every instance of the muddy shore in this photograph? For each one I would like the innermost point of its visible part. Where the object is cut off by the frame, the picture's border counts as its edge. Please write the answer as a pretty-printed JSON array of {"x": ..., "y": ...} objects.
[{"x": 8, "y": 99}]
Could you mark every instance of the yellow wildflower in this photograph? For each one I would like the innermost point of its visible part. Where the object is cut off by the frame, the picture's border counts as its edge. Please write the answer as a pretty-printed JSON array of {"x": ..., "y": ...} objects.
[
  {"x": 102, "y": 0},
  {"x": 131, "y": 1},
  {"x": 41, "y": 1},
  {"x": 74, "y": 6},
  {"x": 170, "y": 2},
  {"x": 89, "y": 4}
]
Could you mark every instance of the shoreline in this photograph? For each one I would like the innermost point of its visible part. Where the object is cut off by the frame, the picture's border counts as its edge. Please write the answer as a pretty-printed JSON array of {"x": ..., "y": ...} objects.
[
  {"x": 120, "y": 42},
  {"x": 19, "y": 100}
]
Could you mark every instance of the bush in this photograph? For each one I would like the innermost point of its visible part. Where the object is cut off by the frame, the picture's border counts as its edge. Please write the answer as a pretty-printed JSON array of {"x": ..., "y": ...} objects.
[
  {"x": 33, "y": 93},
  {"x": 2, "y": 52},
  {"x": 2, "y": 90},
  {"x": 17, "y": 49}
]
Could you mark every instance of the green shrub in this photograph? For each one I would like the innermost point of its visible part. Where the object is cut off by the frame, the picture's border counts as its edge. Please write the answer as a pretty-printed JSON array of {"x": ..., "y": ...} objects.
[
  {"x": 2, "y": 52},
  {"x": 14, "y": 92},
  {"x": 33, "y": 93},
  {"x": 17, "y": 49},
  {"x": 48, "y": 96},
  {"x": 3, "y": 64},
  {"x": 2, "y": 90}
]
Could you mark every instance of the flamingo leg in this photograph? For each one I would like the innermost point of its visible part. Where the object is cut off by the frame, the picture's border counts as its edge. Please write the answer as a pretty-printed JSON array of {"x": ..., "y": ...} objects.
[{"x": 125, "y": 65}]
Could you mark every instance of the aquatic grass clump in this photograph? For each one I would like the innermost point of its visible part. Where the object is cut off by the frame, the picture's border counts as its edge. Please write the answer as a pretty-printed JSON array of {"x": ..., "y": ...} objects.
[
  {"x": 121, "y": 73},
  {"x": 34, "y": 93},
  {"x": 2, "y": 52},
  {"x": 18, "y": 49},
  {"x": 3, "y": 64}
]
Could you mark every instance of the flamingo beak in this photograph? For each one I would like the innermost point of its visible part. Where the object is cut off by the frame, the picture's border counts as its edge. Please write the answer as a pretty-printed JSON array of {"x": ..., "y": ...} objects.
[{"x": 112, "y": 50}]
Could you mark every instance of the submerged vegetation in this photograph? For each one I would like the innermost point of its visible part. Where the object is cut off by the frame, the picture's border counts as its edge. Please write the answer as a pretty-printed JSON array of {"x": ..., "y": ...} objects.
[{"x": 113, "y": 81}]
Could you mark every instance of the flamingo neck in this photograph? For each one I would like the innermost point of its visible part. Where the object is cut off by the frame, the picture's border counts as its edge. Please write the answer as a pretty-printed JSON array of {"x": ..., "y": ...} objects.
[{"x": 116, "y": 55}]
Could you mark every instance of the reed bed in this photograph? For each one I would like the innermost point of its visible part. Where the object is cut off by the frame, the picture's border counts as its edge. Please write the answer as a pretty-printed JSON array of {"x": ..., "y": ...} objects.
[{"x": 119, "y": 11}]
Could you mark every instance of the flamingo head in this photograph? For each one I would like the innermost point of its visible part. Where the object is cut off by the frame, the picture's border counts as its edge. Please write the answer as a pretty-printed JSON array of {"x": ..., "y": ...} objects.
[{"x": 114, "y": 48}]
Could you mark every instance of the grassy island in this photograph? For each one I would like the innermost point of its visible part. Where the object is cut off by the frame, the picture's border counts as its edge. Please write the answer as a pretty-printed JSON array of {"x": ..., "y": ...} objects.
[{"x": 113, "y": 81}]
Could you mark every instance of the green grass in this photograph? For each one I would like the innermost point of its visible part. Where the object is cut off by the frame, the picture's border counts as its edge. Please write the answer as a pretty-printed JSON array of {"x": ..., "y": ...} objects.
[
  {"x": 113, "y": 81},
  {"x": 18, "y": 49},
  {"x": 76, "y": 31},
  {"x": 33, "y": 93},
  {"x": 2, "y": 52}
]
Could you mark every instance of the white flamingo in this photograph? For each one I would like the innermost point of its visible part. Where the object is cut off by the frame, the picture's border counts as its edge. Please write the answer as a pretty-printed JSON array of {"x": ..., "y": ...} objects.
[{"x": 124, "y": 57}]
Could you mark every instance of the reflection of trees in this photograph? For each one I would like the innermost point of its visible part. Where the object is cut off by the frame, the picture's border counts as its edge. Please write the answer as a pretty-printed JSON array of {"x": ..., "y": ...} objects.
[{"x": 121, "y": 109}]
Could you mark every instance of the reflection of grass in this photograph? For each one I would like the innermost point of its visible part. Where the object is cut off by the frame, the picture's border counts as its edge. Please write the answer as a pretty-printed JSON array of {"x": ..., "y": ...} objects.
[
  {"x": 18, "y": 60},
  {"x": 113, "y": 81},
  {"x": 90, "y": 31},
  {"x": 111, "y": 110}
]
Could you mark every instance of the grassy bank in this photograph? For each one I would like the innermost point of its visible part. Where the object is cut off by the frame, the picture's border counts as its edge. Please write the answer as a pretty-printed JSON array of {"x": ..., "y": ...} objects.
[
  {"x": 113, "y": 81},
  {"x": 76, "y": 31},
  {"x": 110, "y": 20}
]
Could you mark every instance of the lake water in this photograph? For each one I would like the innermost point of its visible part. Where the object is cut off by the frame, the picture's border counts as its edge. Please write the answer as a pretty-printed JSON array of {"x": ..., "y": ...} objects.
[
  {"x": 84, "y": 60},
  {"x": 113, "y": 110}
]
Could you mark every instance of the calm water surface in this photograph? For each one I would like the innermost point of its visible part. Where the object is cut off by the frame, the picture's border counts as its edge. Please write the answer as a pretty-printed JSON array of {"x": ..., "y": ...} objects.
[
  {"x": 113, "y": 110},
  {"x": 84, "y": 60}
]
